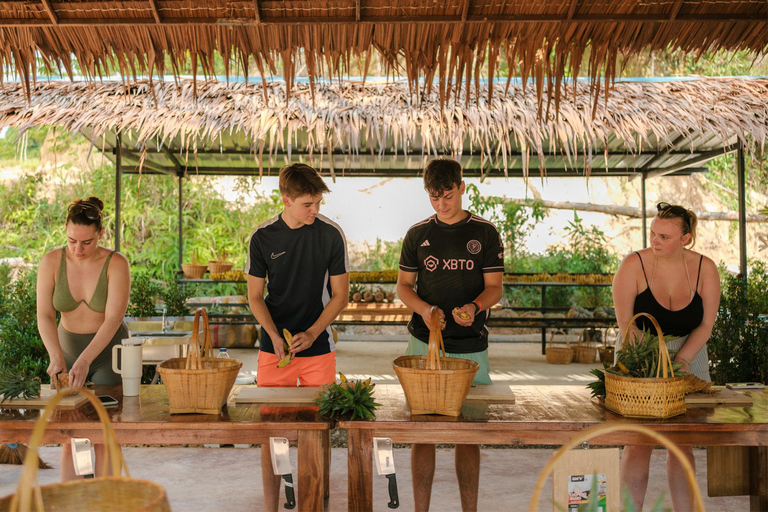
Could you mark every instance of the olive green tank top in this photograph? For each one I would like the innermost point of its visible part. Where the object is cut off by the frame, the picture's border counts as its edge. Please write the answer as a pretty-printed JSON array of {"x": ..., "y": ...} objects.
[{"x": 62, "y": 297}]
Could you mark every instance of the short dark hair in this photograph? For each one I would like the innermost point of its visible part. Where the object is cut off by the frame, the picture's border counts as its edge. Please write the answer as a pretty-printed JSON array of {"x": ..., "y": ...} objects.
[
  {"x": 440, "y": 175},
  {"x": 86, "y": 212},
  {"x": 688, "y": 219},
  {"x": 298, "y": 179}
]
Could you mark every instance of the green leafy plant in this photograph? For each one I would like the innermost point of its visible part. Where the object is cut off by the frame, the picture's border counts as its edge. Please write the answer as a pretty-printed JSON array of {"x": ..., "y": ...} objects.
[
  {"x": 349, "y": 398},
  {"x": 597, "y": 388},
  {"x": 640, "y": 359},
  {"x": 18, "y": 384},
  {"x": 175, "y": 296},
  {"x": 144, "y": 293},
  {"x": 21, "y": 349},
  {"x": 737, "y": 346}
]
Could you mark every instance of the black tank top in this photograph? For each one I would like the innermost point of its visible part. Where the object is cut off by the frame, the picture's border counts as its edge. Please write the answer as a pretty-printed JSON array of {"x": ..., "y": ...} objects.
[{"x": 673, "y": 323}]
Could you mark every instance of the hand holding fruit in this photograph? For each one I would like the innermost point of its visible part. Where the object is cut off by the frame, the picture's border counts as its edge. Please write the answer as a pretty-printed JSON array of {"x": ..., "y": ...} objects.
[{"x": 465, "y": 315}]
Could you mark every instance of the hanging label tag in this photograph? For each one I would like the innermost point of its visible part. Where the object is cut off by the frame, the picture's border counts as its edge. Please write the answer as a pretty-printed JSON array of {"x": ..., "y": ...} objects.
[{"x": 584, "y": 477}]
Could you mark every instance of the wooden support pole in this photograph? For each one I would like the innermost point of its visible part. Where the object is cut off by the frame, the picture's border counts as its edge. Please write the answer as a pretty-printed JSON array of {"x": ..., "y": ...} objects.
[
  {"x": 155, "y": 11},
  {"x": 51, "y": 13}
]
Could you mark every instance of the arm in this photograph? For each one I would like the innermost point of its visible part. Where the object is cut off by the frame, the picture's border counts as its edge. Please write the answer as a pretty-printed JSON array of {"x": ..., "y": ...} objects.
[
  {"x": 625, "y": 291},
  {"x": 118, "y": 292},
  {"x": 339, "y": 300},
  {"x": 46, "y": 314},
  {"x": 710, "y": 296},
  {"x": 490, "y": 295},
  {"x": 407, "y": 292},
  {"x": 261, "y": 313}
]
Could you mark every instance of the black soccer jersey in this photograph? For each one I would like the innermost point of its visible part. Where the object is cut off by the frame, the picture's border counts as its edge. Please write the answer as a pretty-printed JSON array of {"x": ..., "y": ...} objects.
[
  {"x": 450, "y": 261},
  {"x": 297, "y": 264}
]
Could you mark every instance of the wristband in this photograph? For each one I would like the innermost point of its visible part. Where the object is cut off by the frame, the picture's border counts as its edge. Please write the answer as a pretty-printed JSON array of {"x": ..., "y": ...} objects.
[{"x": 478, "y": 306}]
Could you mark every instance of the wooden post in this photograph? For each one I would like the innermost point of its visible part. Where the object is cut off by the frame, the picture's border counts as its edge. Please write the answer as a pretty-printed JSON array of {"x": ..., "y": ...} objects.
[
  {"x": 311, "y": 465},
  {"x": 644, "y": 213},
  {"x": 118, "y": 187},
  {"x": 360, "y": 468},
  {"x": 741, "y": 175},
  {"x": 181, "y": 240}
]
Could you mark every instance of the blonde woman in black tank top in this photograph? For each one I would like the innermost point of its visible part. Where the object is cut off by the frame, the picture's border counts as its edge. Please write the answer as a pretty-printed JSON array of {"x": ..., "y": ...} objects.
[{"x": 683, "y": 287}]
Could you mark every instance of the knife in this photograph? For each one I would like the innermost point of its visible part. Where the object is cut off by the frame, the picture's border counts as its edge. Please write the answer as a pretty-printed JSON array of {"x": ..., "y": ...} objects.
[
  {"x": 281, "y": 465},
  {"x": 385, "y": 465}
]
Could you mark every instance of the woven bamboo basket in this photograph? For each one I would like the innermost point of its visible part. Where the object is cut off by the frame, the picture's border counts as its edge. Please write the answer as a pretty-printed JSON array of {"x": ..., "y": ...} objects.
[
  {"x": 660, "y": 397},
  {"x": 435, "y": 384},
  {"x": 103, "y": 494},
  {"x": 584, "y": 352},
  {"x": 690, "y": 476},
  {"x": 559, "y": 355},
  {"x": 198, "y": 383},
  {"x": 219, "y": 267},
  {"x": 193, "y": 271},
  {"x": 607, "y": 354}
]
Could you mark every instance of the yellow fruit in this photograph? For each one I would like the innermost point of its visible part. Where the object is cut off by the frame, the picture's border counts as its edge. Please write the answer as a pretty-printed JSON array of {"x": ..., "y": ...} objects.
[
  {"x": 461, "y": 314},
  {"x": 285, "y": 361}
]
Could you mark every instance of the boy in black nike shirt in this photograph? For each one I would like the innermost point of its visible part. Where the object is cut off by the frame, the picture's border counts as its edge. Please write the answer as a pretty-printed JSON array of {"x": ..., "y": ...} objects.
[
  {"x": 458, "y": 259},
  {"x": 304, "y": 256}
]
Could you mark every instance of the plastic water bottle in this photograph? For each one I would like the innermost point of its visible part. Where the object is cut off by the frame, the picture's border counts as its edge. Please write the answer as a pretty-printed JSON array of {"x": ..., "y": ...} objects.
[{"x": 223, "y": 353}]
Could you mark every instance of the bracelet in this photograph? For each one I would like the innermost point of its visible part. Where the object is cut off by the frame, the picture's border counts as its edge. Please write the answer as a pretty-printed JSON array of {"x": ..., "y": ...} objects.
[{"x": 478, "y": 306}]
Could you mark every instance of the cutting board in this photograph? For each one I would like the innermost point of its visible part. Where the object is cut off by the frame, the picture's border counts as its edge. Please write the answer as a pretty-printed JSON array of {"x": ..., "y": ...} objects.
[
  {"x": 724, "y": 396},
  {"x": 67, "y": 403},
  {"x": 495, "y": 393}
]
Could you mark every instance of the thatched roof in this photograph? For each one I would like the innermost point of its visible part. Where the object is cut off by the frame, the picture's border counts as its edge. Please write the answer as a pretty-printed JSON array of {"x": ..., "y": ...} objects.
[
  {"x": 654, "y": 127},
  {"x": 448, "y": 40}
]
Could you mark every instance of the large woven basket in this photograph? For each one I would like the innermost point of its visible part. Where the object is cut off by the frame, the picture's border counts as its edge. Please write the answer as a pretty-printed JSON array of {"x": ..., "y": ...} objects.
[
  {"x": 608, "y": 428},
  {"x": 435, "y": 384},
  {"x": 104, "y": 494},
  {"x": 193, "y": 271},
  {"x": 558, "y": 355},
  {"x": 198, "y": 383},
  {"x": 584, "y": 352},
  {"x": 660, "y": 397},
  {"x": 219, "y": 267}
]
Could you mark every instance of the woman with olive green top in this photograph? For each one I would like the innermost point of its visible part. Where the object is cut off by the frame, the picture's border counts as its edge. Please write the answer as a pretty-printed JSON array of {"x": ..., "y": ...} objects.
[{"x": 89, "y": 285}]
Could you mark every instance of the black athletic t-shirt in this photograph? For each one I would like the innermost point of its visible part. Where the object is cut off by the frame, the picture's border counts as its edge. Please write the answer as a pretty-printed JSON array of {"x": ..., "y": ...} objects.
[
  {"x": 450, "y": 261},
  {"x": 297, "y": 264}
]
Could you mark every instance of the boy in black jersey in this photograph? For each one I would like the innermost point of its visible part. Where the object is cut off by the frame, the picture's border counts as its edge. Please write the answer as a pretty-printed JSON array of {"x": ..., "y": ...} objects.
[
  {"x": 458, "y": 259},
  {"x": 304, "y": 256}
]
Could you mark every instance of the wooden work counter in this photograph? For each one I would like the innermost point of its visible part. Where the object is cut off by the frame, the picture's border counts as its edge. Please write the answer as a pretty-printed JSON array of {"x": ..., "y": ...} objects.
[
  {"x": 146, "y": 419},
  {"x": 551, "y": 415}
]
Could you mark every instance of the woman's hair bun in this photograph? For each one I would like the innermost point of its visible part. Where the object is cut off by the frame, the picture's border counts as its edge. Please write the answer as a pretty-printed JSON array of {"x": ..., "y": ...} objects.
[{"x": 95, "y": 200}]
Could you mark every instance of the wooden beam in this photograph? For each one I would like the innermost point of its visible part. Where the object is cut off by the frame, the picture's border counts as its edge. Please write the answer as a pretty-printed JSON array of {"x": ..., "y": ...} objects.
[
  {"x": 358, "y": 7},
  {"x": 442, "y": 19},
  {"x": 464, "y": 10},
  {"x": 572, "y": 9},
  {"x": 155, "y": 11},
  {"x": 257, "y": 14},
  {"x": 703, "y": 157},
  {"x": 675, "y": 10},
  {"x": 51, "y": 13}
]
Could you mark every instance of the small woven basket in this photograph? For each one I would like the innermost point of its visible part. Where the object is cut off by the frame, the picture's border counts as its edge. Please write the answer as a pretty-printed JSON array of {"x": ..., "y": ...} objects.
[
  {"x": 219, "y": 267},
  {"x": 435, "y": 384},
  {"x": 690, "y": 475},
  {"x": 198, "y": 383},
  {"x": 660, "y": 397},
  {"x": 559, "y": 355},
  {"x": 584, "y": 352},
  {"x": 192, "y": 271},
  {"x": 607, "y": 354},
  {"x": 103, "y": 494}
]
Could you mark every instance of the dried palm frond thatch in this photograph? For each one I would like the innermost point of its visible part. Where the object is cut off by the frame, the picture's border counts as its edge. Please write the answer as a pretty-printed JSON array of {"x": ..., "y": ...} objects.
[
  {"x": 448, "y": 40},
  {"x": 376, "y": 117}
]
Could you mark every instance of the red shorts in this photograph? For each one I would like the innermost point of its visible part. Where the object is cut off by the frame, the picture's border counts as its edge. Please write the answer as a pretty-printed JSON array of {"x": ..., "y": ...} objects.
[{"x": 308, "y": 371}]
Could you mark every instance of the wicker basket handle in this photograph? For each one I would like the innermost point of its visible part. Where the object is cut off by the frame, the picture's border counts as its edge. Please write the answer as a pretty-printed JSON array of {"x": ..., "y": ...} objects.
[
  {"x": 435, "y": 341},
  {"x": 28, "y": 481},
  {"x": 552, "y": 338},
  {"x": 197, "y": 350},
  {"x": 665, "y": 361},
  {"x": 586, "y": 435}
]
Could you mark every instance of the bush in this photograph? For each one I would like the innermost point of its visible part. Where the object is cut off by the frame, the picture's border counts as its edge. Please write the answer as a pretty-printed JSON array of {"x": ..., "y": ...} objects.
[
  {"x": 738, "y": 347},
  {"x": 21, "y": 348},
  {"x": 144, "y": 293}
]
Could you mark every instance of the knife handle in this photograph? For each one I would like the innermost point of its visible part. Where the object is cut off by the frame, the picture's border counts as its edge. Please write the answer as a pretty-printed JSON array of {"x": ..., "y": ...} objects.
[
  {"x": 289, "y": 496},
  {"x": 394, "y": 500}
]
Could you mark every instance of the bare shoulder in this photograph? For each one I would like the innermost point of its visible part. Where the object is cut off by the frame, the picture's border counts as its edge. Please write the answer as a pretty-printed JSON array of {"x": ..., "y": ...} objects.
[
  {"x": 631, "y": 261},
  {"x": 50, "y": 261},
  {"x": 118, "y": 262}
]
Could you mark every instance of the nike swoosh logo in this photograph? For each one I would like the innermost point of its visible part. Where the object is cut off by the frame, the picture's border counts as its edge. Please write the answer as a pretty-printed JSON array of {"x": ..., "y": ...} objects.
[{"x": 275, "y": 256}]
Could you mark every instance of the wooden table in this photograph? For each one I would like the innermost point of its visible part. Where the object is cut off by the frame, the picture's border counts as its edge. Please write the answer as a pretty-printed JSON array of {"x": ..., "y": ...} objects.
[
  {"x": 551, "y": 415},
  {"x": 146, "y": 420}
]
